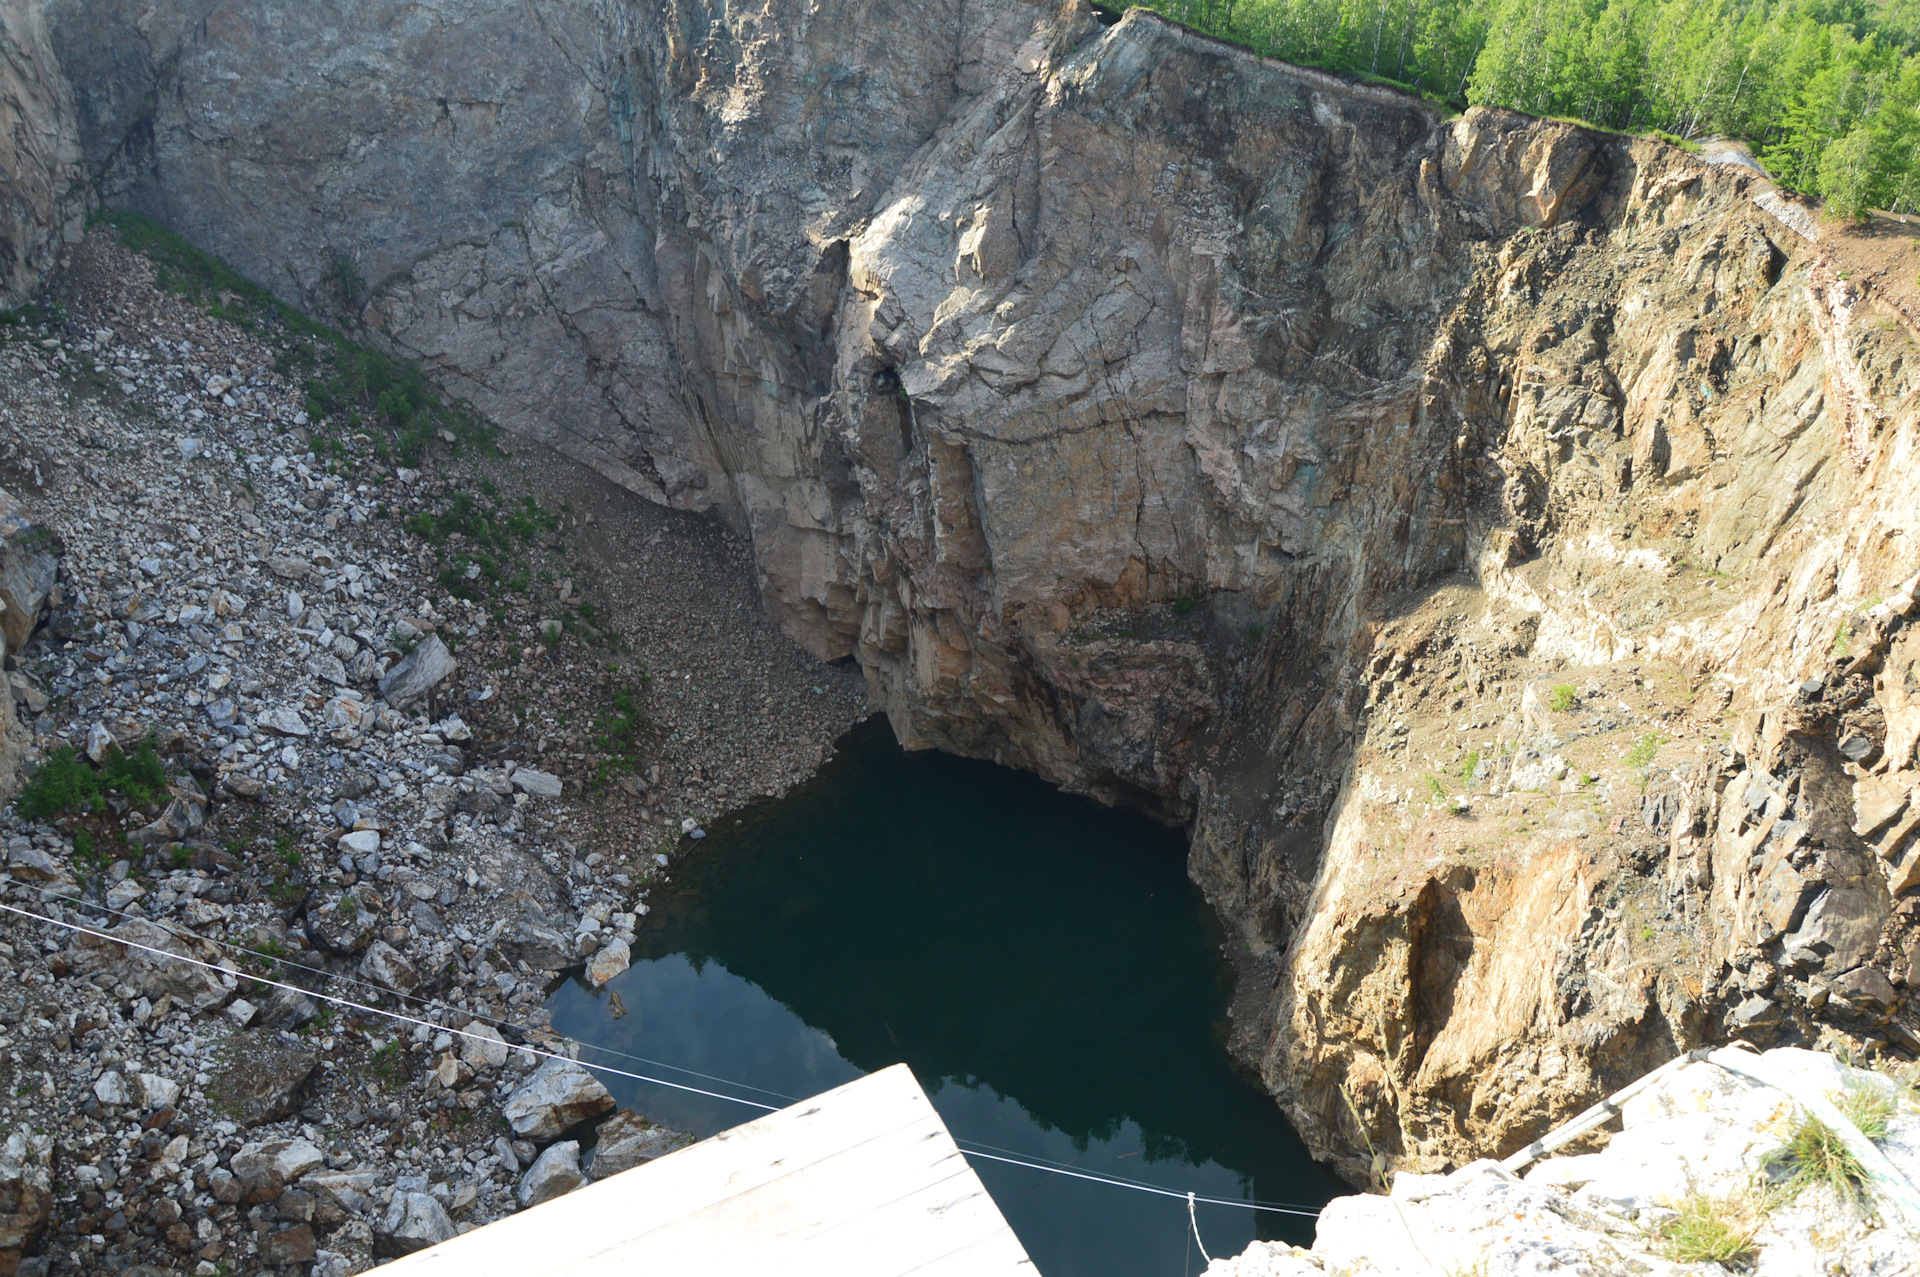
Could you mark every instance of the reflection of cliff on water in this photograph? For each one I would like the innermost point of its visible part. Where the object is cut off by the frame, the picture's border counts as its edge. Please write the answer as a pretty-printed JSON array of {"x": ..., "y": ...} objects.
[{"x": 983, "y": 927}]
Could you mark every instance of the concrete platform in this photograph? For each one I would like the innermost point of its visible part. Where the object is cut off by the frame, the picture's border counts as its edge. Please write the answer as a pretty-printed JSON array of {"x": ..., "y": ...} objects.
[{"x": 861, "y": 1181}]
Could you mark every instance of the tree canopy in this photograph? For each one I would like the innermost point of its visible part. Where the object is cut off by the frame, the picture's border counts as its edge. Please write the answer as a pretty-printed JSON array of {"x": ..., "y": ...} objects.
[{"x": 1827, "y": 92}]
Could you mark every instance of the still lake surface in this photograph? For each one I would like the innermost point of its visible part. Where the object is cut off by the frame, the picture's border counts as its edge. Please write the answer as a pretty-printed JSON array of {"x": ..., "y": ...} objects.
[{"x": 1041, "y": 962}]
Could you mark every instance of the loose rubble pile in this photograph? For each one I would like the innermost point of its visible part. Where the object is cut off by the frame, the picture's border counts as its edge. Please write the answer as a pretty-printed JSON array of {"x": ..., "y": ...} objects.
[
  {"x": 1703, "y": 1163},
  {"x": 294, "y": 750}
]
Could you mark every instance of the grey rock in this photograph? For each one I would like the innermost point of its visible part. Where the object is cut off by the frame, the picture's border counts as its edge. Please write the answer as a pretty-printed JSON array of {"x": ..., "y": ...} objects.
[
  {"x": 222, "y": 713},
  {"x": 423, "y": 669},
  {"x": 559, "y": 1095},
  {"x": 282, "y": 721},
  {"x": 1755, "y": 1012},
  {"x": 413, "y": 1221},
  {"x": 536, "y": 784},
  {"x": 111, "y": 1088},
  {"x": 28, "y": 570},
  {"x": 266, "y": 1168},
  {"x": 1858, "y": 748},
  {"x": 1842, "y": 925},
  {"x": 31, "y": 864},
  {"x": 327, "y": 666},
  {"x": 27, "y": 693},
  {"x": 627, "y": 1140},
  {"x": 157, "y": 1092},
  {"x": 340, "y": 930},
  {"x": 426, "y": 919},
  {"x": 538, "y": 942},
  {"x": 360, "y": 842},
  {"x": 122, "y": 894},
  {"x": 286, "y": 1009},
  {"x": 484, "y": 1048},
  {"x": 288, "y": 568},
  {"x": 179, "y": 820},
  {"x": 350, "y": 1189},
  {"x": 1867, "y": 988},
  {"x": 387, "y": 966},
  {"x": 553, "y": 1174},
  {"x": 153, "y": 974},
  {"x": 262, "y": 1077}
]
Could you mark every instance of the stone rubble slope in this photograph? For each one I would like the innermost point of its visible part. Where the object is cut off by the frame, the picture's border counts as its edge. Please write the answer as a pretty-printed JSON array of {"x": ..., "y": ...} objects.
[
  {"x": 1702, "y": 1131},
  {"x": 349, "y": 808}
]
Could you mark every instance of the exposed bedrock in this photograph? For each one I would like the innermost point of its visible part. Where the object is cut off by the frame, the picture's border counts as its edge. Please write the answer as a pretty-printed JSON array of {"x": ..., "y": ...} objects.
[
  {"x": 1259, "y": 449},
  {"x": 42, "y": 186}
]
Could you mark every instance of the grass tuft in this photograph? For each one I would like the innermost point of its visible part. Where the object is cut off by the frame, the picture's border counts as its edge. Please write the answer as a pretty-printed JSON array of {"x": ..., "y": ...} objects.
[
  {"x": 1867, "y": 1107},
  {"x": 1711, "y": 1230},
  {"x": 1814, "y": 1155}
]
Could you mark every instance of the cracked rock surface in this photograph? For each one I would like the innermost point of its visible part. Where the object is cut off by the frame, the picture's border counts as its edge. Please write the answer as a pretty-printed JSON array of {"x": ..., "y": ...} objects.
[{"x": 1701, "y": 1137}]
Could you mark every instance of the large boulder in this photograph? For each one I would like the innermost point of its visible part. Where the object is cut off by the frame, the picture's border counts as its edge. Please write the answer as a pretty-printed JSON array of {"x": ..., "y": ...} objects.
[
  {"x": 610, "y": 961},
  {"x": 130, "y": 957},
  {"x": 261, "y": 1080},
  {"x": 340, "y": 926},
  {"x": 420, "y": 672},
  {"x": 539, "y": 941},
  {"x": 26, "y": 1196},
  {"x": 388, "y": 967},
  {"x": 484, "y": 1048},
  {"x": 28, "y": 570},
  {"x": 558, "y": 1096},
  {"x": 414, "y": 1221},
  {"x": 627, "y": 1140},
  {"x": 265, "y": 1169},
  {"x": 553, "y": 1173}
]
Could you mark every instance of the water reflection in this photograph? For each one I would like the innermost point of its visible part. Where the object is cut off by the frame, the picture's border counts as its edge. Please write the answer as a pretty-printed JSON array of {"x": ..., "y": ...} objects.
[{"x": 1041, "y": 963}]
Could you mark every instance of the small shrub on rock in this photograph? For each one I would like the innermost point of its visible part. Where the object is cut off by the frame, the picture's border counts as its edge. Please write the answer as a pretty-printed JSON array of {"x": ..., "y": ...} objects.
[
  {"x": 1712, "y": 1230},
  {"x": 1814, "y": 1154}
]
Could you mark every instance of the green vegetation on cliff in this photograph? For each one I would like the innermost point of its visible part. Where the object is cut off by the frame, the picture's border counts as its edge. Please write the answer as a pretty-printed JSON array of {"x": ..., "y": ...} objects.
[
  {"x": 349, "y": 384},
  {"x": 1826, "y": 91}
]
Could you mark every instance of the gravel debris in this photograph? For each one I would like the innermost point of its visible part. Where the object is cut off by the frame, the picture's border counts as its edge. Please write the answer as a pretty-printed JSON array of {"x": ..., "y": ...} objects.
[{"x": 427, "y": 733}]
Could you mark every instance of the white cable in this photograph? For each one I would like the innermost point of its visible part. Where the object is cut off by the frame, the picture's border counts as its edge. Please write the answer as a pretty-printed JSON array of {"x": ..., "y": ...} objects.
[
  {"x": 428, "y": 1003},
  {"x": 1141, "y": 1188},
  {"x": 359, "y": 1006},
  {"x": 1195, "y": 1221},
  {"x": 638, "y": 1077},
  {"x": 1281, "y": 1207}
]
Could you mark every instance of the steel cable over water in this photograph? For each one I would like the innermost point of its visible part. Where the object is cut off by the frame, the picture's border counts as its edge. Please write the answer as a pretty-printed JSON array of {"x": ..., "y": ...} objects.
[{"x": 1273, "y": 1208}]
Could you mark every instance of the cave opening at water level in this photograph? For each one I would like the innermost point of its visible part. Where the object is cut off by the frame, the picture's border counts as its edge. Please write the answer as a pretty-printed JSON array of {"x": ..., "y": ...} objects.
[{"x": 1041, "y": 962}]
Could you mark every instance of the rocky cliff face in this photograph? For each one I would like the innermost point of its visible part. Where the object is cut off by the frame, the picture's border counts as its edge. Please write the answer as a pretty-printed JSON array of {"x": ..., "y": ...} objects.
[
  {"x": 1471, "y": 528},
  {"x": 42, "y": 188}
]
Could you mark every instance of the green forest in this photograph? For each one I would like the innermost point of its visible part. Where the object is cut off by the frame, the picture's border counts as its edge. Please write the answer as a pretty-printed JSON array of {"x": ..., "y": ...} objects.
[{"x": 1826, "y": 92}]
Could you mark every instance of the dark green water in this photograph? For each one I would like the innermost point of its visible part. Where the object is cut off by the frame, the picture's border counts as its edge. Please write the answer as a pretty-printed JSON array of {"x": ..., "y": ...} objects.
[{"x": 1041, "y": 962}]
